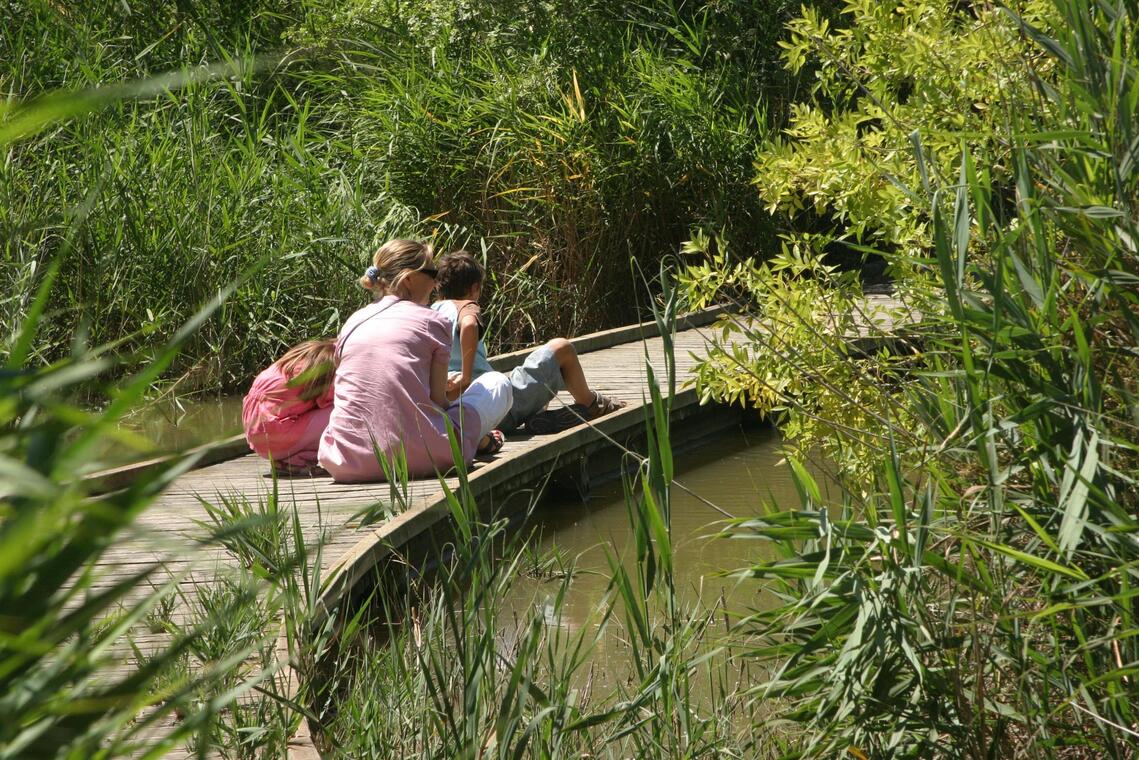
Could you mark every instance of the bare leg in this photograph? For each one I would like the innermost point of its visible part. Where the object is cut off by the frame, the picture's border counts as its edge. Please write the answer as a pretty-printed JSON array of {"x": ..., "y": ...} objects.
[
  {"x": 572, "y": 373},
  {"x": 589, "y": 404}
]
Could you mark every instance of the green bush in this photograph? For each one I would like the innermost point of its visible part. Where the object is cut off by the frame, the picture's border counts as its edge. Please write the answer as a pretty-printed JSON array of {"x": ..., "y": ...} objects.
[
  {"x": 972, "y": 596},
  {"x": 562, "y": 141}
]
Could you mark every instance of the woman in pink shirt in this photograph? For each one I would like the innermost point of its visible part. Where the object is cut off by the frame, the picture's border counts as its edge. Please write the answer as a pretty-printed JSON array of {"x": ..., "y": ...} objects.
[
  {"x": 287, "y": 408},
  {"x": 390, "y": 389}
]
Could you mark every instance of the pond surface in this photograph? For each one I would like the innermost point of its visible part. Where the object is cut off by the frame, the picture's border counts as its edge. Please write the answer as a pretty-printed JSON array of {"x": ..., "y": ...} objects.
[
  {"x": 739, "y": 472},
  {"x": 174, "y": 424}
]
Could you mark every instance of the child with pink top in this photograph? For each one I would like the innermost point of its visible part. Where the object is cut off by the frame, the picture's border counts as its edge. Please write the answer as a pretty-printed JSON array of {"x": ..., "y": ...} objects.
[
  {"x": 288, "y": 406},
  {"x": 390, "y": 391}
]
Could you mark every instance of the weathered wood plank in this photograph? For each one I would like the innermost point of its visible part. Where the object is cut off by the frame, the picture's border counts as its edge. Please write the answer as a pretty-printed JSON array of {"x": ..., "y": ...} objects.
[{"x": 170, "y": 532}]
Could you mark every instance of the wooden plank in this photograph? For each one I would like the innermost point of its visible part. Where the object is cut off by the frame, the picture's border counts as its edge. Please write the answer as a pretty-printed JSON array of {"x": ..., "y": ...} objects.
[{"x": 608, "y": 338}]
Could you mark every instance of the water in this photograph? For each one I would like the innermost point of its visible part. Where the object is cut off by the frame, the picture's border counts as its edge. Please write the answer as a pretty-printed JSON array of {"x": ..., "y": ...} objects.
[
  {"x": 739, "y": 472},
  {"x": 172, "y": 425}
]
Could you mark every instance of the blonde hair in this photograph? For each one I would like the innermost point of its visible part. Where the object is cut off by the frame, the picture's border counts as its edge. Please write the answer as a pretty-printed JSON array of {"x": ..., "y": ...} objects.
[
  {"x": 310, "y": 365},
  {"x": 394, "y": 261}
]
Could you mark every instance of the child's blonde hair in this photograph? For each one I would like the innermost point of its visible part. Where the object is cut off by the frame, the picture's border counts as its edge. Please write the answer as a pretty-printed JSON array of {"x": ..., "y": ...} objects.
[
  {"x": 394, "y": 261},
  {"x": 310, "y": 365}
]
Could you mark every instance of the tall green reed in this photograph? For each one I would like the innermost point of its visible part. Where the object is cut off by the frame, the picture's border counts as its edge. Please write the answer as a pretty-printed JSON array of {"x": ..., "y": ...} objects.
[
  {"x": 976, "y": 599},
  {"x": 66, "y": 626},
  {"x": 609, "y": 132},
  {"x": 94, "y": 663}
]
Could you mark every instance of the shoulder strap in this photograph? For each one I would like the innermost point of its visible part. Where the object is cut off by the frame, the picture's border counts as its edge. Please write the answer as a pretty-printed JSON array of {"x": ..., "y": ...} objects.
[{"x": 340, "y": 348}]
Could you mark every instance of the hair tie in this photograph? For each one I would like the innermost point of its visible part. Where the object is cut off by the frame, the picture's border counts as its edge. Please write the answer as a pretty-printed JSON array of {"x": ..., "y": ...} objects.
[{"x": 372, "y": 273}]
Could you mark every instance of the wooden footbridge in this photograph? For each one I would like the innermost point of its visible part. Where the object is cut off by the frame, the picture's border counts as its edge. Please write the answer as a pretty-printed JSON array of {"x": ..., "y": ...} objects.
[
  {"x": 361, "y": 524},
  {"x": 363, "y": 521}
]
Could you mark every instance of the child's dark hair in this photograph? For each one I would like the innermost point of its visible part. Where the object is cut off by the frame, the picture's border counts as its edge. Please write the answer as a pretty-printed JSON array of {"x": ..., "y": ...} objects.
[
  {"x": 310, "y": 365},
  {"x": 459, "y": 271}
]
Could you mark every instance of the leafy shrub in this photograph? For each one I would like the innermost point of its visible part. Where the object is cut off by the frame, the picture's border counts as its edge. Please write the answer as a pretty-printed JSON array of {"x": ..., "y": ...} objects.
[{"x": 971, "y": 597}]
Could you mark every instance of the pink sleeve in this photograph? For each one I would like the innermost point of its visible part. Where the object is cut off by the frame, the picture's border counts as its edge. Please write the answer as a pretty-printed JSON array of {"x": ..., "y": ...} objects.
[{"x": 439, "y": 328}]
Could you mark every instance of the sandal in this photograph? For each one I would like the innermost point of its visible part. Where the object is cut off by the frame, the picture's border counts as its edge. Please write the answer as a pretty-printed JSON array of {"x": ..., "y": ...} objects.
[
  {"x": 494, "y": 441},
  {"x": 557, "y": 420},
  {"x": 603, "y": 405}
]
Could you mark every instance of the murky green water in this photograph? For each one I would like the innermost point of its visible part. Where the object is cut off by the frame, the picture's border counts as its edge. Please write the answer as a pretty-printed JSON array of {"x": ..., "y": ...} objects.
[
  {"x": 739, "y": 472},
  {"x": 171, "y": 425}
]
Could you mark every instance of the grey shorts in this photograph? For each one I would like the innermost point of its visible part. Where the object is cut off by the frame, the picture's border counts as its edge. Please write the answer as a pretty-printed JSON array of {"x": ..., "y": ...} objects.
[{"x": 535, "y": 383}]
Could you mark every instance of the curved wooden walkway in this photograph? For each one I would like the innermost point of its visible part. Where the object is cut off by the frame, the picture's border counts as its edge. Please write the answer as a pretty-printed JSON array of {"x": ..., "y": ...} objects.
[{"x": 361, "y": 523}]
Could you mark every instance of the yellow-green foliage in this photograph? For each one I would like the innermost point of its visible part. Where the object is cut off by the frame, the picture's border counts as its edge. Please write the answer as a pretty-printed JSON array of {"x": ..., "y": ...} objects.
[
  {"x": 790, "y": 354},
  {"x": 900, "y": 89},
  {"x": 900, "y": 74},
  {"x": 974, "y": 596}
]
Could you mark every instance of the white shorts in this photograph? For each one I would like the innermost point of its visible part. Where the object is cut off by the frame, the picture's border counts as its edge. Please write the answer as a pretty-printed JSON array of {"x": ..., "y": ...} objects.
[{"x": 490, "y": 395}]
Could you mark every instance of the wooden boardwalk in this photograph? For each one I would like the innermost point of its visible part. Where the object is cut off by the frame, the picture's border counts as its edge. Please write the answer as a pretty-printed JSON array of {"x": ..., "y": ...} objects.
[
  {"x": 170, "y": 531},
  {"x": 360, "y": 522}
]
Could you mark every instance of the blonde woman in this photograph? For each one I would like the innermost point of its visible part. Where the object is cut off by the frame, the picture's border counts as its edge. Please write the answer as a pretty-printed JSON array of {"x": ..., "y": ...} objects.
[{"x": 391, "y": 378}]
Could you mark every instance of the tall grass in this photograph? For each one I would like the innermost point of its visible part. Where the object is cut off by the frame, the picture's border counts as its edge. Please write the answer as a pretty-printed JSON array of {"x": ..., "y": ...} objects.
[
  {"x": 94, "y": 662},
  {"x": 187, "y": 194},
  {"x": 580, "y": 137},
  {"x": 976, "y": 597},
  {"x": 66, "y": 628}
]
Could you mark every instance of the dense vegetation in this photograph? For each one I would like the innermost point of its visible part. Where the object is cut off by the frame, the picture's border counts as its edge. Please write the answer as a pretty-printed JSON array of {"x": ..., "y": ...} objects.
[
  {"x": 971, "y": 596},
  {"x": 561, "y": 140}
]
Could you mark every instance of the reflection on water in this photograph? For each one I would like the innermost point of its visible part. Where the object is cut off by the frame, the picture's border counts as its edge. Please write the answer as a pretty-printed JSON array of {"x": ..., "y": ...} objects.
[
  {"x": 738, "y": 472},
  {"x": 171, "y": 425}
]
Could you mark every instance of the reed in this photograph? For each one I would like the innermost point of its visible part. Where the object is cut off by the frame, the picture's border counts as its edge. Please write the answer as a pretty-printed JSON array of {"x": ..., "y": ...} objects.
[
  {"x": 606, "y": 133},
  {"x": 65, "y": 627},
  {"x": 971, "y": 595},
  {"x": 193, "y": 665}
]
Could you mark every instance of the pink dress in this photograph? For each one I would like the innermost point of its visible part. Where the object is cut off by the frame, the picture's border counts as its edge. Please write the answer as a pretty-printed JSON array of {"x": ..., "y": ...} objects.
[
  {"x": 278, "y": 424},
  {"x": 383, "y": 400}
]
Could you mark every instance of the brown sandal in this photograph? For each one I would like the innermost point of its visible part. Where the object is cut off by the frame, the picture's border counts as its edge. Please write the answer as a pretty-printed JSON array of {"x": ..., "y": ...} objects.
[
  {"x": 491, "y": 444},
  {"x": 603, "y": 405}
]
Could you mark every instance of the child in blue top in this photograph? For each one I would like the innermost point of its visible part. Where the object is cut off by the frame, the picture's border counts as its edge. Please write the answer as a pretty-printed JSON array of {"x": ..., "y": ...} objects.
[{"x": 547, "y": 370}]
